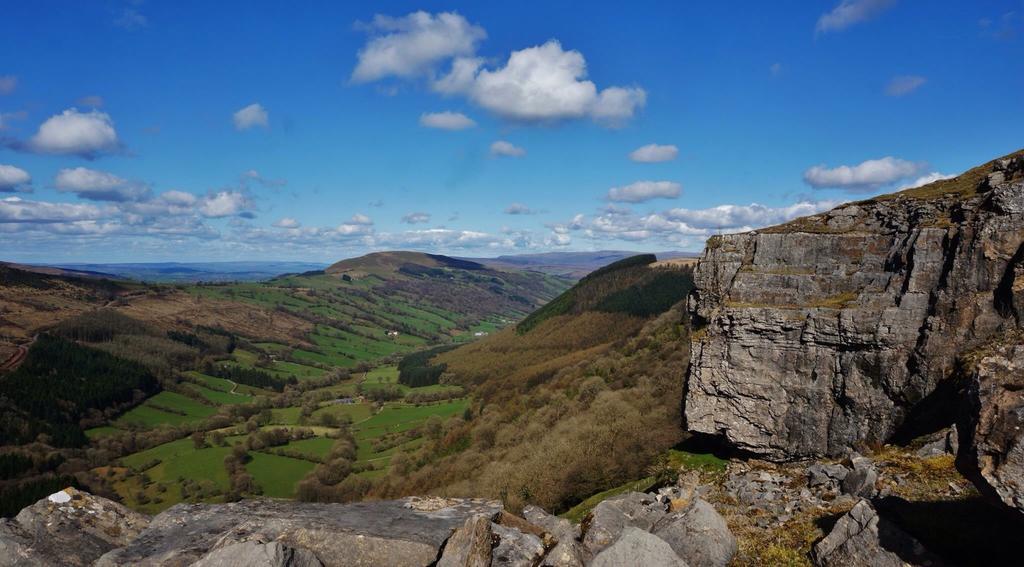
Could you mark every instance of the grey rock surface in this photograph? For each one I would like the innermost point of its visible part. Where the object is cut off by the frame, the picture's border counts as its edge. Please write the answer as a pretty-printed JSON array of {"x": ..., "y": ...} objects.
[
  {"x": 861, "y": 478},
  {"x": 863, "y": 539},
  {"x": 514, "y": 548},
  {"x": 638, "y": 547},
  {"x": 945, "y": 442},
  {"x": 815, "y": 337},
  {"x": 992, "y": 454},
  {"x": 69, "y": 527},
  {"x": 256, "y": 554},
  {"x": 699, "y": 535},
  {"x": 470, "y": 545},
  {"x": 607, "y": 520},
  {"x": 397, "y": 532}
]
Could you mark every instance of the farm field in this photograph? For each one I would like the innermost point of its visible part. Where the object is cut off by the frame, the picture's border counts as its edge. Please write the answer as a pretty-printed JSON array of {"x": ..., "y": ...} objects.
[{"x": 276, "y": 475}]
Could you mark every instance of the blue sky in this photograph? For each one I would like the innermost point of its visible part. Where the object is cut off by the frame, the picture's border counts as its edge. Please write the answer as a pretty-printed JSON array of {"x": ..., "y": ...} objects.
[{"x": 157, "y": 130}]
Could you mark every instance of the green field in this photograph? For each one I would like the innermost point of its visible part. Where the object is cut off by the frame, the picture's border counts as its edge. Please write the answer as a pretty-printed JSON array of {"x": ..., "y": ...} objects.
[
  {"x": 277, "y": 476},
  {"x": 103, "y": 431},
  {"x": 315, "y": 446},
  {"x": 149, "y": 415},
  {"x": 397, "y": 417}
]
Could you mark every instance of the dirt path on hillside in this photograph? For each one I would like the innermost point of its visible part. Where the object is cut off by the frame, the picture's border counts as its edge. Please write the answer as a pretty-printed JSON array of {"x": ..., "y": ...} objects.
[{"x": 17, "y": 358}]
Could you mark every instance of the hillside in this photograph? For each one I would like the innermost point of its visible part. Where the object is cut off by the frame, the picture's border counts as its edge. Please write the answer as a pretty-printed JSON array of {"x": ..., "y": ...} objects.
[
  {"x": 283, "y": 366},
  {"x": 593, "y": 374},
  {"x": 569, "y": 264}
]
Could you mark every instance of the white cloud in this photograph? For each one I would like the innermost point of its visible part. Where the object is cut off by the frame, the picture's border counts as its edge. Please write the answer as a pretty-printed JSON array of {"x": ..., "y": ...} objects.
[
  {"x": 17, "y": 210},
  {"x": 641, "y": 191},
  {"x": 250, "y": 117},
  {"x": 754, "y": 215},
  {"x": 866, "y": 176},
  {"x": 13, "y": 178},
  {"x": 653, "y": 153},
  {"x": 360, "y": 218},
  {"x": 519, "y": 209},
  {"x": 416, "y": 218},
  {"x": 413, "y": 45},
  {"x": 904, "y": 85},
  {"x": 775, "y": 69},
  {"x": 225, "y": 204},
  {"x": 925, "y": 180},
  {"x": 7, "y": 84},
  {"x": 446, "y": 120},
  {"x": 541, "y": 84},
  {"x": 86, "y": 134},
  {"x": 98, "y": 185},
  {"x": 503, "y": 148},
  {"x": 131, "y": 19},
  {"x": 850, "y": 12},
  {"x": 287, "y": 222},
  {"x": 253, "y": 175}
]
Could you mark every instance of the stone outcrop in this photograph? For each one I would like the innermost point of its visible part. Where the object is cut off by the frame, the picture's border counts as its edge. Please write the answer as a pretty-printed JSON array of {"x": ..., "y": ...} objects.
[
  {"x": 398, "y": 532},
  {"x": 69, "y": 527},
  {"x": 72, "y": 528},
  {"x": 992, "y": 447},
  {"x": 825, "y": 334}
]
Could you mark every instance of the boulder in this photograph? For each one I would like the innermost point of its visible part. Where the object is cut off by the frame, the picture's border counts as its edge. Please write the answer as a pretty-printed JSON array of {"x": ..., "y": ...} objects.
[
  {"x": 942, "y": 443},
  {"x": 828, "y": 476},
  {"x": 825, "y": 333},
  {"x": 699, "y": 535},
  {"x": 558, "y": 527},
  {"x": 638, "y": 547},
  {"x": 256, "y": 554},
  {"x": 397, "y": 532},
  {"x": 69, "y": 527},
  {"x": 992, "y": 447},
  {"x": 470, "y": 545},
  {"x": 860, "y": 480},
  {"x": 606, "y": 521},
  {"x": 862, "y": 538},
  {"x": 514, "y": 548}
]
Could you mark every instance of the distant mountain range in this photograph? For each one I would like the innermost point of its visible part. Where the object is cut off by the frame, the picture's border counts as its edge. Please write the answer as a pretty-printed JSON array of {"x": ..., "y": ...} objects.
[{"x": 188, "y": 272}]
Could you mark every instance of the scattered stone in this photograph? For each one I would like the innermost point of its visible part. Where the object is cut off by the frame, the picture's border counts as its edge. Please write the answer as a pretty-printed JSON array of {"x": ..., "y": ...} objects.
[
  {"x": 863, "y": 538},
  {"x": 638, "y": 547},
  {"x": 255, "y": 554},
  {"x": 69, "y": 527},
  {"x": 561, "y": 528},
  {"x": 699, "y": 535}
]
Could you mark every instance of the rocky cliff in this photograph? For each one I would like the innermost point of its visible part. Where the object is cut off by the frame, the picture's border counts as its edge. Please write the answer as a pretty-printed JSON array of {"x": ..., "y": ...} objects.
[{"x": 837, "y": 330}]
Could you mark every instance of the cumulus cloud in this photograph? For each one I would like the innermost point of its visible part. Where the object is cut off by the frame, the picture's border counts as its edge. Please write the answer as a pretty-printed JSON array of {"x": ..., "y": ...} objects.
[
  {"x": 416, "y": 218},
  {"x": 13, "y": 179},
  {"x": 7, "y": 84},
  {"x": 850, "y": 12},
  {"x": 413, "y": 45},
  {"x": 541, "y": 84},
  {"x": 519, "y": 209},
  {"x": 506, "y": 149},
  {"x": 653, "y": 153},
  {"x": 904, "y": 85},
  {"x": 641, "y": 191},
  {"x": 225, "y": 204},
  {"x": 925, "y": 180},
  {"x": 98, "y": 185},
  {"x": 446, "y": 120},
  {"x": 252, "y": 175},
  {"x": 85, "y": 134},
  {"x": 287, "y": 222},
  {"x": 866, "y": 176},
  {"x": 360, "y": 218},
  {"x": 742, "y": 216},
  {"x": 250, "y": 117}
]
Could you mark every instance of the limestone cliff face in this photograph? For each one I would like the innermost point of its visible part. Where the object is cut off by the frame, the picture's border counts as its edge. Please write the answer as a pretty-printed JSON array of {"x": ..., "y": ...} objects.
[{"x": 823, "y": 334}]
